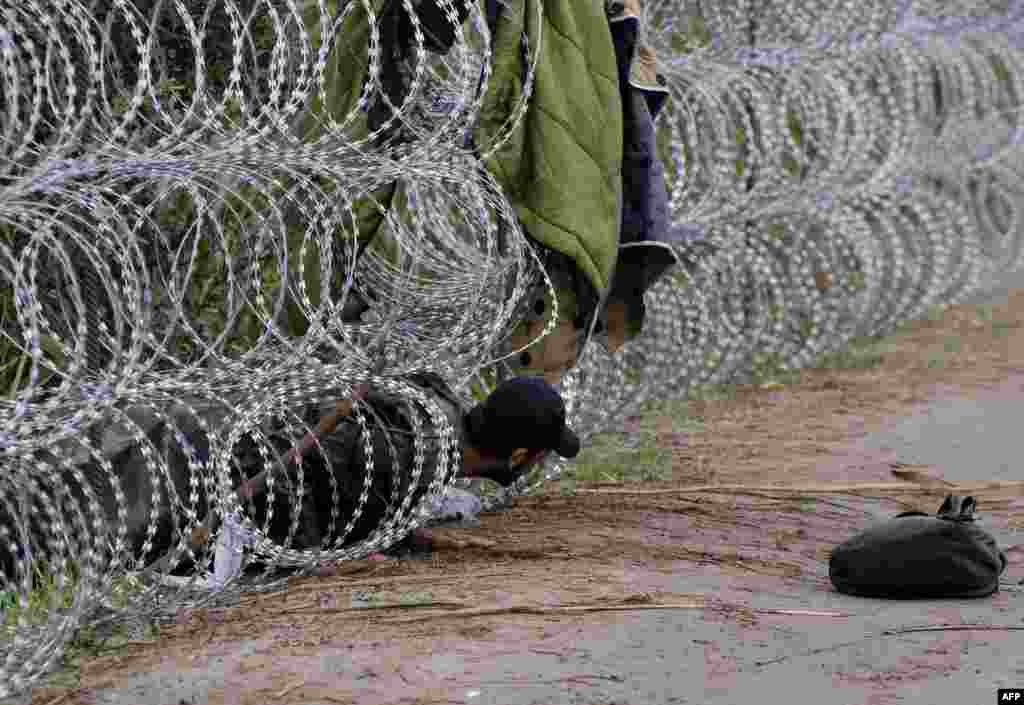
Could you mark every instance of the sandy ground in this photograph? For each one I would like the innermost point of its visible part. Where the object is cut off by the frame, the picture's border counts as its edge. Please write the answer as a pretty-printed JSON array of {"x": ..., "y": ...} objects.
[{"x": 665, "y": 592}]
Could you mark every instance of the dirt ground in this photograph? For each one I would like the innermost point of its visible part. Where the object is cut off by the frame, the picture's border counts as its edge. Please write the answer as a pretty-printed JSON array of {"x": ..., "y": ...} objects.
[{"x": 684, "y": 590}]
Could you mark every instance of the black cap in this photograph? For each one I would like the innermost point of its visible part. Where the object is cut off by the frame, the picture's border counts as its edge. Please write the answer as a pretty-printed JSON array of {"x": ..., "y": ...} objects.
[{"x": 524, "y": 412}]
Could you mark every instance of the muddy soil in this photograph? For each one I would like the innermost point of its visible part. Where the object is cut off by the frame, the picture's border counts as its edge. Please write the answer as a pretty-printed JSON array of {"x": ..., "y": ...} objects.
[{"x": 682, "y": 591}]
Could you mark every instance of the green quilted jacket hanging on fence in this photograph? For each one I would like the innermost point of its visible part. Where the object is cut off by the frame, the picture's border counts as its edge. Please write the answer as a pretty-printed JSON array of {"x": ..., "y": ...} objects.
[{"x": 561, "y": 169}]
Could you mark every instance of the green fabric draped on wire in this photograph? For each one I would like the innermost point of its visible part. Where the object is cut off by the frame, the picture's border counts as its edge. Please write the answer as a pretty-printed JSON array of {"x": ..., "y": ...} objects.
[{"x": 561, "y": 167}]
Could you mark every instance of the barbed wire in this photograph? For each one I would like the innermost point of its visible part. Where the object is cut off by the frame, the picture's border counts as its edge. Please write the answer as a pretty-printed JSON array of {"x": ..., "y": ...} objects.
[{"x": 219, "y": 217}]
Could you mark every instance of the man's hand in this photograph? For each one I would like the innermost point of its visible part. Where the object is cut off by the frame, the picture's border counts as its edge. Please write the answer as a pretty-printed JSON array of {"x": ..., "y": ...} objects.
[
  {"x": 255, "y": 484},
  {"x": 328, "y": 423}
]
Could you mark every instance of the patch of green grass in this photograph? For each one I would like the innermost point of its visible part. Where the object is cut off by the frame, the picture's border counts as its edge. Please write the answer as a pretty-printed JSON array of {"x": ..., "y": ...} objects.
[
  {"x": 860, "y": 354},
  {"x": 776, "y": 231},
  {"x": 1001, "y": 328},
  {"x": 770, "y": 369},
  {"x": 415, "y": 598},
  {"x": 89, "y": 643},
  {"x": 935, "y": 313},
  {"x": 713, "y": 392},
  {"x": 47, "y": 593},
  {"x": 937, "y": 360},
  {"x": 680, "y": 277},
  {"x": 482, "y": 387},
  {"x": 376, "y": 599},
  {"x": 796, "y": 129},
  {"x": 790, "y": 165},
  {"x": 663, "y": 140},
  {"x": 1000, "y": 70},
  {"x": 741, "y": 143},
  {"x": 632, "y": 375},
  {"x": 695, "y": 37},
  {"x": 606, "y": 460},
  {"x": 985, "y": 312},
  {"x": 681, "y": 411}
]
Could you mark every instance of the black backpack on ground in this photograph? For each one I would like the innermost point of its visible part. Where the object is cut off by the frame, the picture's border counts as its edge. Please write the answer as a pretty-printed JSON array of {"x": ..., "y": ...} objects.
[{"x": 916, "y": 555}]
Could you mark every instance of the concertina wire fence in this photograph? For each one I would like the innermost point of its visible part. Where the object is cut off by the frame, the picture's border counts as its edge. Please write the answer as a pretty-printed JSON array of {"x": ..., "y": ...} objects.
[{"x": 179, "y": 218}]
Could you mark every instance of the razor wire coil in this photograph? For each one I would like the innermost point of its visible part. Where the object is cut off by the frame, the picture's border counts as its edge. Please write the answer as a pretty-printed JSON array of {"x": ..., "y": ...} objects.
[{"x": 186, "y": 281}]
